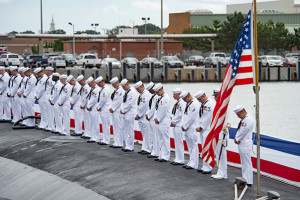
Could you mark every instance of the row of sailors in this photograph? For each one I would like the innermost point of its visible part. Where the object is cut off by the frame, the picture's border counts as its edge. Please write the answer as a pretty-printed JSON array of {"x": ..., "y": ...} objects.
[{"x": 92, "y": 99}]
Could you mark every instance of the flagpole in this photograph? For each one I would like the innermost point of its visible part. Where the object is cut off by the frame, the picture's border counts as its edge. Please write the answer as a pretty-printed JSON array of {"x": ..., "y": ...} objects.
[{"x": 257, "y": 88}]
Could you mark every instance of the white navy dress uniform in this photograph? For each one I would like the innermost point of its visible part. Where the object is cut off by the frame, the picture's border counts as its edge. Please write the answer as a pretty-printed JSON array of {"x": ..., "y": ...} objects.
[
  {"x": 55, "y": 93},
  {"x": 84, "y": 91},
  {"x": 16, "y": 108},
  {"x": 189, "y": 123},
  {"x": 117, "y": 118},
  {"x": 29, "y": 94},
  {"x": 103, "y": 104},
  {"x": 154, "y": 139},
  {"x": 128, "y": 108},
  {"x": 142, "y": 108},
  {"x": 41, "y": 97},
  {"x": 244, "y": 136},
  {"x": 64, "y": 103},
  {"x": 177, "y": 112},
  {"x": 162, "y": 114},
  {"x": 78, "y": 112},
  {"x": 49, "y": 118},
  {"x": 21, "y": 92},
  {"x": 4, "y": 100},
  {"x": 92, "y": 99}
]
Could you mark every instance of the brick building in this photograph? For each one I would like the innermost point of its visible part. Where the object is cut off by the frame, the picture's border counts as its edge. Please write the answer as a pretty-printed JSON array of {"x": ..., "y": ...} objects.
[{"x": 120, "y": 50}]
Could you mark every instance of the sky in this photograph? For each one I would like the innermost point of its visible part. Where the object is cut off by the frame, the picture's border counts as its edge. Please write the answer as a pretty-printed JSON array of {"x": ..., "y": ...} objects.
[{"x": 22, "y": 15}]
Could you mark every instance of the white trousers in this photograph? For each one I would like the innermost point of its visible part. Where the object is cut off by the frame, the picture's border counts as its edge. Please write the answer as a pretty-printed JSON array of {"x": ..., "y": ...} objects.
[
  {"x": 245, "y": 155},
  {"x": 16, "y": 109},
  {"x": 205, "y": 166},
  {"x": 5, "y": 110},
  {"x": 66, "y": 119},
  {"x": 50, "y": 117},
  {"x": 191, "y": 139},
  {"x": 23, "y": 106},
  {"x": 223, "y": 159},
  {"x": 78, "y": 116},
  {"x": 128, "y": 133},
  {"x": 179, "y": 147},
  {"x": 155, "y": 138},
  {"x": 58, "y": 118},
  {"x": 29, "y": 103},
  {"x": 43, "y": 110},
  {"x": 145, "y": 130},
  {"x": 94, "y": 125},
  {"x": 117, "y": 121},
  {"x": 87, "y": 123},
  {"x": 164, "y": 140},
  {"x": 105, "y": 119}
]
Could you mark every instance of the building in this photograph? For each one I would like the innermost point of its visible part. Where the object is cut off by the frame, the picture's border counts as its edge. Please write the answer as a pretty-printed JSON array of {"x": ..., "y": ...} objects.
[
  {"x": 52, "y": 25},
  {"x": 281, "y": 6},
  {"x": 119, "y": 50}
]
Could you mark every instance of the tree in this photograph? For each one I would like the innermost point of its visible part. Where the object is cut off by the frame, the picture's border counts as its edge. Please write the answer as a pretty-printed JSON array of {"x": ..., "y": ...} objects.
[
  {"x": 59, "y": 44},
  {"x": 13, "y": 32},
  {"x": 115, "y": 30},
  {"x": 58, "y": 31},
  {"x": 27, "y": 32},
  {"x": 151, "y": 29},
  {"x": 89, "y": 32}
]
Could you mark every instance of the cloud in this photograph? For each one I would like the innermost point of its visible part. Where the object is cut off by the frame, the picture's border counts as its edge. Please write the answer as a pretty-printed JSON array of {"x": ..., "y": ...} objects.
[
  {"x": 5, "y": 1},
  {"x": 148, "y": 5},
  {"x": 111, "y": 8}
]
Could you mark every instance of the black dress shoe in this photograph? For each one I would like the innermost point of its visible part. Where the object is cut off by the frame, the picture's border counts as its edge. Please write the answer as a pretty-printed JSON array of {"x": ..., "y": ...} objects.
[
  {"x": 60, "y": 134},
  {"x": 206, "y": 172},
  {"x": 176, "y": 163},
  {"x": 249, "y": 185},
  {"x": 91, "y": 141},
  {"x": 140, "y": 152},
  {"x": 184, "y": 166},
  {"x": 87, "y": 138},
  {"x": 123, "y": 149},
  {"x": 163, "y": 160},
  {"x": 151, "y": 156},
  {"x": 189, "y": 167},
  {"x": 102, "y": 143},
  {"x": 156, "y": 159},
  {"x": 112, "y": 146},
  {"x": 128, "y": 150},
  {"x": 172, "y": 163},
  {"x": 117, "y": 147},
  {"x": 145, "y": 153}
]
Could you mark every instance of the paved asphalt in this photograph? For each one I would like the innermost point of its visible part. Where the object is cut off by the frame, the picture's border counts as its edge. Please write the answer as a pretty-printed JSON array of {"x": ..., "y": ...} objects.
[{"x": 118, "y": 175}]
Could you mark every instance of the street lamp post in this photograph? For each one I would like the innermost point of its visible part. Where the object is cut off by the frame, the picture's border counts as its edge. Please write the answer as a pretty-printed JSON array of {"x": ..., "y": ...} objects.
[
  {"x": 95, "y": 26},
  {"x": 73, "y": 38},
  {"x": 145, "y": 19},
  {"x": 162, "y": 31},
  {"x": 41, "y": 40}
]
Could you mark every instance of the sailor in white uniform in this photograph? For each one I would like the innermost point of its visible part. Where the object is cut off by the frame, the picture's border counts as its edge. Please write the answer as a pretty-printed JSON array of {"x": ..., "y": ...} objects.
[
  {"x": 8, "y": 91},
  {"x": 41, "y": 97},
  {"x": 189, "y": 125},
  {"x": 15, "y": 83},
  {"x": 55, "y": 92},
  {"x": 205, "y": 118},
  {"x": 83, "y": 92},
  {"x": 243, "y": 138},
  {"x": 4, "y": 99},
  {"x": 21, "y": 92},
  {"x": 142, "y": 108},
  {"x": 128, "y": 110},
  {"x": 154, "y": 139},
  {"x": 64, "y": 103},
  {"x": 103, "y": 104},
  {"x": 75, "y": 103},
  {"x": 176, "y": 122},
  {"x": 49, "y": 118},
  {"x": 29, "y": 93},
  {"x": 117, "y": 117},
  {"x": 91, "y": 107},
  {"x": 162, "y": 121},
  {"x": 222, "y": 170}
]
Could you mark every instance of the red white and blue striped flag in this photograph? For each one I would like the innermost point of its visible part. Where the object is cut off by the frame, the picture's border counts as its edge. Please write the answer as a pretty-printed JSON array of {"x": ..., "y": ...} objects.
[{"x": 239, "y": 72}]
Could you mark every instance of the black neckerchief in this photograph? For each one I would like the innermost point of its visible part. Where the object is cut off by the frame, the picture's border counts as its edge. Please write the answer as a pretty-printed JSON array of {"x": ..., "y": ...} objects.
[
  {"x": 37, "y": 80},
  {"x": 201, "y": 108},
  {"x": 46, "y": 82},
  {"x": 81, "y": 89},
  {"x": 239, "y": 126},
  {"x": 139, "y": 99},
  {"x": 157, "y": 103},
  {"x": 125, "y": 96},
  {"x": 53, "y": 87},
  {"x": 73, "y": 90},
  {"x": 9, "y": 81},
  {"x": 90, "y": 94},
  {"x": 187, "y": 107},
  {"x": 62, "y": 88},
  {"x": 100, "y": 93},
  {"x": 12, "y": 84},
  {"x": 112, "y": 96},
  {"x": 150, "y": 102},
  {"x": 21, "y": 83},
  {"x": 175, "y": 107},
  {"x": 27, "y": 81}
]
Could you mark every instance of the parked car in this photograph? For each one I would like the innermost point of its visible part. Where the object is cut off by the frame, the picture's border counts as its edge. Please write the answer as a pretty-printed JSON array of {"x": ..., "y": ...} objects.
[
  {"x": 70, "y": 59},
  {"x": 225, "y": 62},
  {"x": 88, "y": 60},
  {"x": 9, "y": 59},
  {"x": 217, "y": 54},
  {"x": 58, "y": 61},
  {"x": 115, "y": 63},
  {"x": 271, "y": 61},
  {"x": 131, "y": 62},
  {"x": 212, "y": 62},
  {"x": 145, "y": 63},
  {"x": 290, "y": 62},
  {"x": 295, "y": 55},
  {"x": 33, "y": 60},
  {"x": 172, "y": 61},
  {"x": 194, "y": 60}
]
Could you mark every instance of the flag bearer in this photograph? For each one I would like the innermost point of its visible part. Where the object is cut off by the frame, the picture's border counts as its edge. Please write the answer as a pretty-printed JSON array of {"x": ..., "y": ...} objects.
[
  {"x": 55, "y": 92},
  {"x": 176, "y": 121},
  {"x": 205, "y": 118},
  {"x": 49, "y": 117},
  {"x": 189, "y": 125},
  {"x": 243, "y": 138},
  {"x": 142, "y": 108},
  {"x": 15, "y": 82}
]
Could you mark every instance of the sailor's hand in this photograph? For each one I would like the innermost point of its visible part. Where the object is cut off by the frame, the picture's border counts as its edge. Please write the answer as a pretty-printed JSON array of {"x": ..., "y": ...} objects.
[
  {"x": 98, "y": 109},
  {"x": 89, "y": 109},
  {"x": 199, "y": 129},
  {"x": 237, "y": 142},
  {"x": 60, "y": 104},
  {"x": 35, "y": 97},
  {"x": 183, "y": 128},
  {"x": 24, "y": 96},
  {"x": 71, "y": 104},
  {"x": 173, "y": 125},
  {"x": 81, "y": 107},
  {"x": 111, "y": 110},
  {"x": 138, "y": 117},
  {"x": 147, "y": 117},
  {"x": 156, "y": 121},
  {"x": 17, "y": 94},
  {"x": 121, "y": 111}
]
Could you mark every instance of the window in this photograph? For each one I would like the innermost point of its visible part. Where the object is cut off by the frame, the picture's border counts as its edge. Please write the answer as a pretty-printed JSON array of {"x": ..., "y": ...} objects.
[{"x": 13, "y": 56}]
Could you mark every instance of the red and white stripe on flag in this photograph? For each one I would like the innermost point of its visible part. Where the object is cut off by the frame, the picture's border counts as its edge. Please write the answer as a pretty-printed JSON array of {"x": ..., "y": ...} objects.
[{"x": 239, "y": 72}]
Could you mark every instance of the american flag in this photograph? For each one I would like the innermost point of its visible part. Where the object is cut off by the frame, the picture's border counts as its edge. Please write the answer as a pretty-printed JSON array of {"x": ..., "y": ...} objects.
[{"x": 239, "y": 72}]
